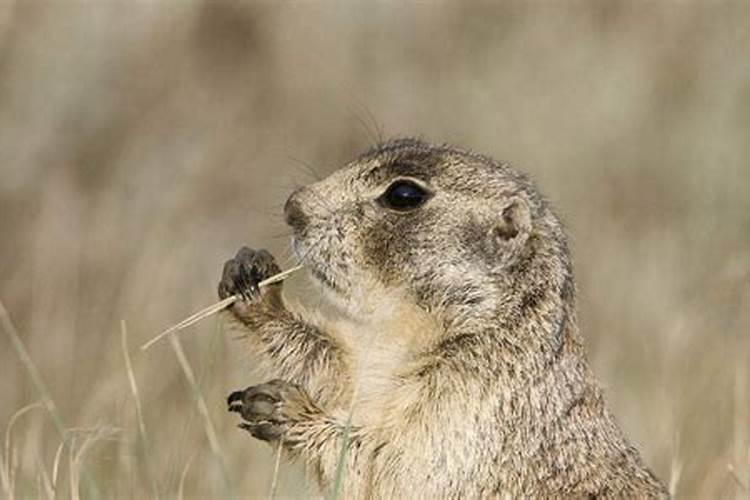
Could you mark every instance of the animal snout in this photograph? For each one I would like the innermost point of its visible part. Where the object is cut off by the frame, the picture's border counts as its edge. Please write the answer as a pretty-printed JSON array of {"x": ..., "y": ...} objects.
[{"x": 293, "y": 213}]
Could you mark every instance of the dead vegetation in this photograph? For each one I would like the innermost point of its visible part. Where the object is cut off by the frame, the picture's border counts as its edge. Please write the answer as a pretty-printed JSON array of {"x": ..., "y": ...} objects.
[{"x": 142, "y": 144}]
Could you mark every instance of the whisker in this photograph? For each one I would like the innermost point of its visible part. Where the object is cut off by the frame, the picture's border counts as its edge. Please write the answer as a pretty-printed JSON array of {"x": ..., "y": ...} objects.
[
  {"x": 306, "y": 167},
  {"x": 378, "y": 128},
  {"x": 370, "y": 135}
]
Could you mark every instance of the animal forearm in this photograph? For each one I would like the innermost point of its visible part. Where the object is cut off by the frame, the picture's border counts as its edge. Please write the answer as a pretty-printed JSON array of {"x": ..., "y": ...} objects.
[
  {"x": 297, "y": 351},
  {"x": 289, "y": 347}
]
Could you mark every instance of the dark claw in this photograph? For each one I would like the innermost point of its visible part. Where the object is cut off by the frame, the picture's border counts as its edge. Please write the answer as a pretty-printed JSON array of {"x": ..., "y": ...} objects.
[
  {"x": 251, "y": 291},
  {"x": 245, "y": 282},
  {"x": 235, "y": 396}
]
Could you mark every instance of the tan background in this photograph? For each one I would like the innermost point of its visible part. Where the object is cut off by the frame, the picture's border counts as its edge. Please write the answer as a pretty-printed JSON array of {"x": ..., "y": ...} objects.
[{"x": 141, "y": 143}]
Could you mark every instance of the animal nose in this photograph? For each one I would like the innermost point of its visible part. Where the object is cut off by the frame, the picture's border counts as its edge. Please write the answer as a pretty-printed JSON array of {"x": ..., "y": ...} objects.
[{"x": 293, "y": 213}]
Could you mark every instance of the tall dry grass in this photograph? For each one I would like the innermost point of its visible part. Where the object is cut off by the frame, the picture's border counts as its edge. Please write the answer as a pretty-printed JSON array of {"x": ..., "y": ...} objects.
[{"x": 142, "y": 143}]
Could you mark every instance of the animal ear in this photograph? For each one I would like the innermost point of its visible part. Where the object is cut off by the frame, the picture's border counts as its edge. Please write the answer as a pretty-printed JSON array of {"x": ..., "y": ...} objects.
[
  {"x": 514, "y": 222},
  {"x": 510, "y": 230}
]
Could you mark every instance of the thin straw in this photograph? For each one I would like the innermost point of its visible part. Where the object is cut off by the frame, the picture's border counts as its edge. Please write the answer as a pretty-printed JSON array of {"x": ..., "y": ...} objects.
[{"x": 214, "y": 308}]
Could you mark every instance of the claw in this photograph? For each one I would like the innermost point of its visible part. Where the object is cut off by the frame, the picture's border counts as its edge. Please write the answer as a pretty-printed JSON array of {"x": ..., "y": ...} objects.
[
  {"x": 234, "y": 397},
  {"x": 250, "y": 293}
]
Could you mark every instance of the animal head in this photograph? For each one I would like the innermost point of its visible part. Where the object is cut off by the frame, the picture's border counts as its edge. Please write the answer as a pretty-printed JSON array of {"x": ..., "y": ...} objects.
[{"x": 444, "y": 227}]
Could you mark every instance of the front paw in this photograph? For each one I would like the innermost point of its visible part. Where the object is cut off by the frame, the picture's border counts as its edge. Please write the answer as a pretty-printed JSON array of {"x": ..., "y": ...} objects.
[
  {"x": 243, "y": 273},
  {"x": 269, "y": 409}
]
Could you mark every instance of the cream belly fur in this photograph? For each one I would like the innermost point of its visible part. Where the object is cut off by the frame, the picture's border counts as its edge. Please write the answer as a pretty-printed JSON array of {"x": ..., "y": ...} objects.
[{"x": 382, "y": 343}]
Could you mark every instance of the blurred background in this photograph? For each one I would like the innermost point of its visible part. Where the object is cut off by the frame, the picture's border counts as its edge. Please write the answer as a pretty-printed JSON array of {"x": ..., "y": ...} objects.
[{"x": 142, "y": 143}]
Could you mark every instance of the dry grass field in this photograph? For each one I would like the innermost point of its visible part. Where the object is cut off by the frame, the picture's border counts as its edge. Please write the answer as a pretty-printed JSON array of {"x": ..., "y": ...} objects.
[{"x": 142, "y": 143}]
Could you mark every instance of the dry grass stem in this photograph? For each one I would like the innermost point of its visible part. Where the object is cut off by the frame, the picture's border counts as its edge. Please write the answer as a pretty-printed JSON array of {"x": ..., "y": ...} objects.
[
  {"x": 10, "y": 455},
  {"x": 36, "y": 377},
  {"x": 145, "y": 445},
  {"x": 214, "y": 308},
  {"x": 675, "y": 473},
  {"x": 275, "y": 476},
  {"x": 4, "y": 479},
  {"x": 18, "y": 414},
  {"x": 76, "y": 458},
  {"x": 736, "y": 477},
  {"x": 45, "y": 479},
  {"x": 200, "y": 402},
  {"x": 56, "y": 461},
  {"x": 183, "y": 477},
  {"x": 131, "y": 379},
  {"x": 72, "y": 480},
  {"x": 675, "y": 466}
]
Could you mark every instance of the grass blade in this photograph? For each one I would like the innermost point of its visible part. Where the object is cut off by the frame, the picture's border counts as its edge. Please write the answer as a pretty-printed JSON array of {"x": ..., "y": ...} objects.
[
  {"x": 28, "y": 363},
  {"x": 214, "y": 308},
  {"x": 202, "y": 407},
  {"x": 143, "y": 436},
  {"x": 275, "y": 476}
]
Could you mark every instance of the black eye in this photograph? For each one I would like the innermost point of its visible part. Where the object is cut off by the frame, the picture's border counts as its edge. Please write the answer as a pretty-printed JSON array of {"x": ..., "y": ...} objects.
[{"x": 404, "y": 195}]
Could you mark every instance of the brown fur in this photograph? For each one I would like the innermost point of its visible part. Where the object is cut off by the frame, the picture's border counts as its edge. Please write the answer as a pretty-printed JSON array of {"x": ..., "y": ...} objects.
[{"x": 453, "y": 345}]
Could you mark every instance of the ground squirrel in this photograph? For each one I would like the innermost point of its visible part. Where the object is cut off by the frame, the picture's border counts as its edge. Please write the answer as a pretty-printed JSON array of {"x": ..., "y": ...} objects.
[{"x": 453, "y": 329}]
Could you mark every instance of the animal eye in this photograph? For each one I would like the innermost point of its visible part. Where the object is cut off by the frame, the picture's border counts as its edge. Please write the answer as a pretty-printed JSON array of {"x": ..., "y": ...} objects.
[{"x": 404, "y": 195}]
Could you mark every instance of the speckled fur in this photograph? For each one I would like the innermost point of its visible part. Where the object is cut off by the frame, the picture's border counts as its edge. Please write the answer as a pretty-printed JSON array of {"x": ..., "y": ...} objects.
[{"x": 454, "y": 343}]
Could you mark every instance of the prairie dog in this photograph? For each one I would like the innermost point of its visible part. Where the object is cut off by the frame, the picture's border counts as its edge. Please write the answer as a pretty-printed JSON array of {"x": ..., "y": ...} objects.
[{"x": 453, "y": 348}]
